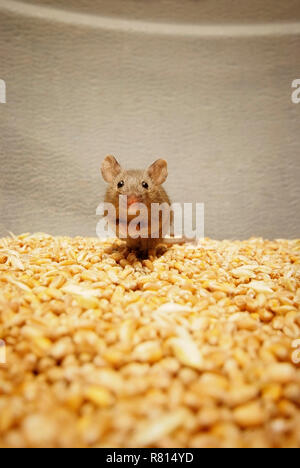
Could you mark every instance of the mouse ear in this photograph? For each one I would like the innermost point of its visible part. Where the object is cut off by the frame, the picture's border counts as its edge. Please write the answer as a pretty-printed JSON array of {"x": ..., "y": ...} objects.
[
  {"x": 158, "y": 171},
  {"x": 110, "y": 169}
]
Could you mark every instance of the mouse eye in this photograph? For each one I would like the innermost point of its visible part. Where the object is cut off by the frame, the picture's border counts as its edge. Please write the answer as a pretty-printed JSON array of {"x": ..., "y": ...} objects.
[
  {"x": 121, "y": 184},
  {"x": 145, "y": 185}
]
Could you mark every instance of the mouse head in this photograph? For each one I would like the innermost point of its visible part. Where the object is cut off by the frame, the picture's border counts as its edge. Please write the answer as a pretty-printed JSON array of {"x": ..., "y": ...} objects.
[{"x": 138, "y": 186}]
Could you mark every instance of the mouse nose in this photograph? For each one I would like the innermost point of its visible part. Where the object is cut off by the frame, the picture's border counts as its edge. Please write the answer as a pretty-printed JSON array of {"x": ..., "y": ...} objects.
[{"x": 131, "y": 199}]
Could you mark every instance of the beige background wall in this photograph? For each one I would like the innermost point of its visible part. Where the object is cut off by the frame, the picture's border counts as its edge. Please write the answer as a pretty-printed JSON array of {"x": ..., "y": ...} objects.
[{"x": 205, "y": 84}]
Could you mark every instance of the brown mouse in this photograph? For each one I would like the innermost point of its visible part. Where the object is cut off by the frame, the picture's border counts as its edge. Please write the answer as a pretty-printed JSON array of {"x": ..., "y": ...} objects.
[{"x": 140, "y": 186}]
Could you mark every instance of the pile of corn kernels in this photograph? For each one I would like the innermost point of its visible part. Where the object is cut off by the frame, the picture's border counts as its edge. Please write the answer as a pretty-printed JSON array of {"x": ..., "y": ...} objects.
[{"x": 197, "y": 347}]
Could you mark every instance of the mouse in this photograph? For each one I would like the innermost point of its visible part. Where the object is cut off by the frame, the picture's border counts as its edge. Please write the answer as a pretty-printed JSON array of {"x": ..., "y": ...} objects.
[{"x": 140, "y": 187}]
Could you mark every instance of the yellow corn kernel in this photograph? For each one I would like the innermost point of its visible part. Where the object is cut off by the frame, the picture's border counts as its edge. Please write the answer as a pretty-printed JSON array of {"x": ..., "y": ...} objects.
[{"x": 100, "y": 396}]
